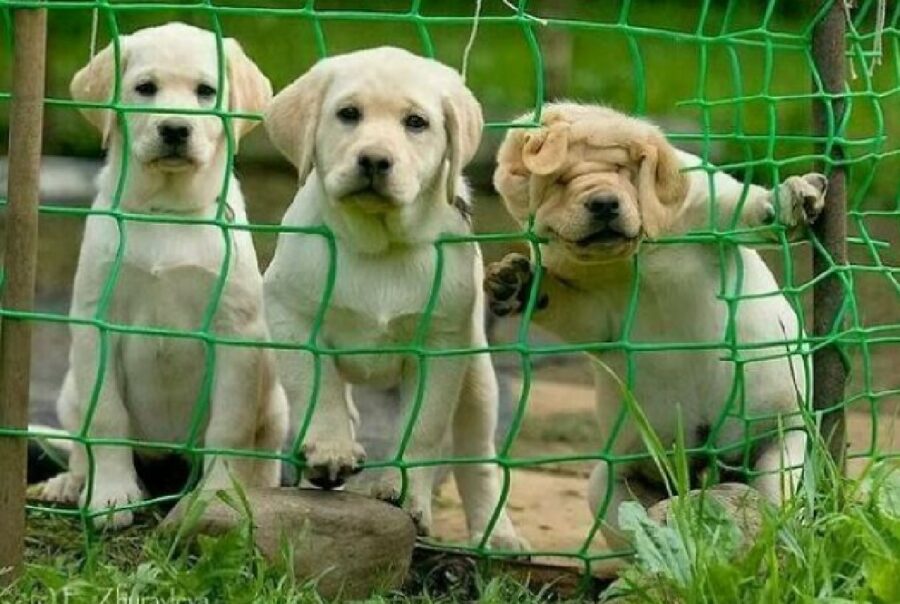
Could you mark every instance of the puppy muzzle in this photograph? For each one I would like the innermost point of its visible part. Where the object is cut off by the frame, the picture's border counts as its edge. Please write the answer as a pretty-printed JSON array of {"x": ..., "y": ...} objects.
[
  {"x": 370, "y": 193},
  {"x": 173, "y": 147},
  {"x": 604, "y": 221}
]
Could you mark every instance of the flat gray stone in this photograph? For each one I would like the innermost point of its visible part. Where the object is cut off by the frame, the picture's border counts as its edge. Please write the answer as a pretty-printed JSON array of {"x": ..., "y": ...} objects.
[{"x": 351, "y": 545}]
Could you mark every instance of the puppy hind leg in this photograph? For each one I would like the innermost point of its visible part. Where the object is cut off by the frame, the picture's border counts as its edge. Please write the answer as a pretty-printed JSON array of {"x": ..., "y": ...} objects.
[
  {"x": 111, "y": 478},
  {"x": 330, "y": 449},
  {"x": 607, "y": 492},
  {"x": 780, "y": 466},
  {"x": 473, "y": 436},
  {"x": 115, "y": 480},
  {"x": 432, "y": 424},
  {"x": 270, "y": 436},
  {"x": 66, "y": 486}
]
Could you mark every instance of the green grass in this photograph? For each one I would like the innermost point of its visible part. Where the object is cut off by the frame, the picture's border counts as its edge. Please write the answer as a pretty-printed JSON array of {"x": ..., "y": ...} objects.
[
  {"x": 837, "y": 541},
  {"x": 143, "y": 564},
  {"x": 146, "y": 565},
  {"x": 834, "y": 544},
  {"x": 837, "y": 545}
]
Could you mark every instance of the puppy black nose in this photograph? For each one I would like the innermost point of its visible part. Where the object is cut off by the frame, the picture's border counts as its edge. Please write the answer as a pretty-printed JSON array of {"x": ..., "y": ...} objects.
[
  {"x": 173, "y": 133},
  {"x": 373, "y": 164},
  {"x": 603, "y": 207}
]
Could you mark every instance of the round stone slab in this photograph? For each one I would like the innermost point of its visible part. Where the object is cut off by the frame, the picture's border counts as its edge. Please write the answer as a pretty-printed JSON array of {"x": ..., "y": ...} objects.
[{"x": 351, "y": 545}]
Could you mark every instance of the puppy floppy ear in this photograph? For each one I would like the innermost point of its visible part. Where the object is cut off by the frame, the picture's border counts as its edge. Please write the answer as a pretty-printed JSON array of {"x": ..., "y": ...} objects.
[
  {"x": 661, "y": 185},
  {"x": 249, "y": 91},
  {"x": 94, "y": 83},
  {"x": 292, "y": 118},
  {"x": 545, "y": 149},
  {"x": 511, "y": 178},
  {"x": 463, "y": 122}
]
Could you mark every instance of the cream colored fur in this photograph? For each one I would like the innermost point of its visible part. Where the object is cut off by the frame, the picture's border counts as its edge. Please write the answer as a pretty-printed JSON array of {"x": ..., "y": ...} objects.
[
  {"x": 584, "y": 154},
  {"x": 149, "y": 386},
  {"x": 384, "y": 259}
]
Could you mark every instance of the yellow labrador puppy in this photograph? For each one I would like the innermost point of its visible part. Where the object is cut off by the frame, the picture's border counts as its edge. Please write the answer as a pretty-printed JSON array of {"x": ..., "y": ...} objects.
[
  {"x": 380, "y": 138},
  {"x": 148, "y": 387},
  {"x": 600, "y": 183}
]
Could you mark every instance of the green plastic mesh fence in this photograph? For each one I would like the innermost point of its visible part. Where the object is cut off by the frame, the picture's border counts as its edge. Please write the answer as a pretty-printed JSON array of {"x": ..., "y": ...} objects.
[{"x": 735, "y": 80}]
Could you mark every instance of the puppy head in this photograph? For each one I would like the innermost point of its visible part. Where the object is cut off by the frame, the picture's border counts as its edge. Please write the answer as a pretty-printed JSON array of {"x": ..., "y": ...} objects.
[
  {"x": 381, "y": 127},
  {"x": 174, "y": 66},
  {"x": 596, "y": 180}
]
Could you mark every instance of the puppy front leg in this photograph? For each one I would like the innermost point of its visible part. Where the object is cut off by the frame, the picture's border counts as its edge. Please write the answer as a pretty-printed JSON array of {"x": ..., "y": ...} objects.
[
  {"x": 271, "y": 423},
  {"x": 474, "y": 424},
  {"x": 115, "y": 482},
  {"x": 794, "y": 204},
  {"x": 329, "y": 447},
  {"x": 569, "y": 313}
]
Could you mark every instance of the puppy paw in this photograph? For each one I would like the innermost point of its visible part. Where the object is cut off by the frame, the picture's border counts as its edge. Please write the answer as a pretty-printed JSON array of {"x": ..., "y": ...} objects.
[
  {"x": 388, "y": 488},
  {"x": 507, "y": 285},
  {"x": 112, "y": 495},
  {"x": 505, "y": 540},
  {"x": 419, "y": 509},
  {"x": 63, "y": 488},
  {"x": 798, "y": 202},
  {"x": 330, "y": 463}
]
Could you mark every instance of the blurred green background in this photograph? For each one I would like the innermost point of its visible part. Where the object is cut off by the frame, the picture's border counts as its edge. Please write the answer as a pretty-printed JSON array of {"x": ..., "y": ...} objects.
[{"x": 646, "y": 56}]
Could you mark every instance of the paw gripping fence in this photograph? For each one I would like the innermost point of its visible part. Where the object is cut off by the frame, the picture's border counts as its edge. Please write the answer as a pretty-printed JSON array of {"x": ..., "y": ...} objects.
[{"x": 843, "y": 146}]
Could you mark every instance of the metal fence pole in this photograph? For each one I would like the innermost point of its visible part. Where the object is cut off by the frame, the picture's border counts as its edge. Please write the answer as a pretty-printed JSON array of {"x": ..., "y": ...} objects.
[
  {"x": 829, "y": 371},
  {"x": 26, "y": 122}
]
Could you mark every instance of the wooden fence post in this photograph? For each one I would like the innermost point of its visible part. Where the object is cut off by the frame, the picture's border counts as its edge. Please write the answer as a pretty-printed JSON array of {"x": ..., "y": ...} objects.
[
  {"x": 829, "y": 371},
  {"x": 20, "y": 259}
]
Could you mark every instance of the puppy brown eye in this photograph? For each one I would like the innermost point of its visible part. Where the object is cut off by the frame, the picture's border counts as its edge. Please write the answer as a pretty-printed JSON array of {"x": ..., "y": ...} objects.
[
  {"x": 146, "y": 88},
  {"x": 205, "y": 91},
  {"x": 415, "y": 122},
  {"x": 349, "y": 114}
]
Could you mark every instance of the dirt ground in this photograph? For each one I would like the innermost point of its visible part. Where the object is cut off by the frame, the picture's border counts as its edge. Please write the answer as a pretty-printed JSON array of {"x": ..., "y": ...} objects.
[{"x": 549, "y": 504}]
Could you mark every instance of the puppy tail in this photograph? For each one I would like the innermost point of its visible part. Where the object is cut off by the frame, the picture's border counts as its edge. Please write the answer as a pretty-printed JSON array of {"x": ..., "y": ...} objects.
[{"x": 47, "y": 456}]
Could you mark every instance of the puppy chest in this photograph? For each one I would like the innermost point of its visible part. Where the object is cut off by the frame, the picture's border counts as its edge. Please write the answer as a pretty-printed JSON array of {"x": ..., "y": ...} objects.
[
  {"x": 162, "y": 383},
  {"x": 354, "y": 336},
  {"x": 377, "y": 370},
  {"x": 162, "y": 376},
  {"x": 175, "y": 297}
]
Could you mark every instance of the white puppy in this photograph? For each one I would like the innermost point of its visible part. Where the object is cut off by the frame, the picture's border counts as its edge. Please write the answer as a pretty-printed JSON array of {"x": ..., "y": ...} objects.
[
  {"x": 380, "y": 138},
  {"x": 600, "y": 183},
  {"x": 167, "y": 276}
]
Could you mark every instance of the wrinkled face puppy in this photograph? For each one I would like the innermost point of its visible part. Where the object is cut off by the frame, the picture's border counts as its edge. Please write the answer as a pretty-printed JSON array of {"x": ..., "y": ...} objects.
[
  {"x": 596, "y": 180},
  {"x": 381, "y": 127},
  {"x": 173, "y": 67}
]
